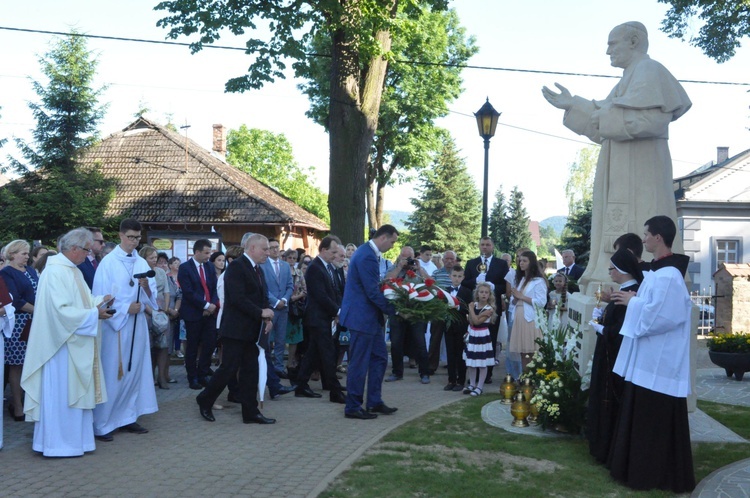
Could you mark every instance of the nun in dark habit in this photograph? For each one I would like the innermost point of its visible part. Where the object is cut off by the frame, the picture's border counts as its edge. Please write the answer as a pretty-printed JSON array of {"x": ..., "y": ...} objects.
[{"x": 606, "y": 387}]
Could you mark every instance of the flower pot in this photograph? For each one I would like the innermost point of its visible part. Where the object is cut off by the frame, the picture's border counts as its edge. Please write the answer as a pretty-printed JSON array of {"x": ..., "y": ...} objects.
[{"x": 733, "y": 363}]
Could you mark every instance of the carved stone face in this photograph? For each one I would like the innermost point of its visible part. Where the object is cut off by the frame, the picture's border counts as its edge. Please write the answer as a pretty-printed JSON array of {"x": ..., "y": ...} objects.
[{"x": 620, "y": 48}]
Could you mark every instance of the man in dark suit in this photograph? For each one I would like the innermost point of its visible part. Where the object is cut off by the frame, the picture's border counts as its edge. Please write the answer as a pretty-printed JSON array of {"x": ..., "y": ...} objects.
[
  {"x": 488, "y": 268},
  {"x": 246, "y": 312},
  {"x": 571, "y": 269},
  {"x": 362, "y": 312},
  {"x": 200, "y": 305},
  {"x": 321, "y": 315},
  {"x": 88, "y": 267}
]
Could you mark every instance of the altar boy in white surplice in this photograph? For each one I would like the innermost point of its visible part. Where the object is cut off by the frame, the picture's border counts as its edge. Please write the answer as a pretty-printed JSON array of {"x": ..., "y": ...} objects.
[{"x": 62, "y": 373}]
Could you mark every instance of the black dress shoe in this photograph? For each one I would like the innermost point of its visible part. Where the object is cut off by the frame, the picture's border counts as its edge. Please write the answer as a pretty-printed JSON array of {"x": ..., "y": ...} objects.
[
  {"x": 337, "y": 397},
  {"x": 205, "y": 411},
  {"x": 286, "y": 390},
  {"x": 306, "y": 392},
  {"x": 195, "y": 386},
  {"x": 361, "y": 415},
  {"x": 134, "y": 428},
  {"x": 283, "y": 374},
  {"x": 258, "y": 419},
  {"x": 232, "y": 398},
  {"x": 107, "y": 438},
  {"x": 384, "y": 409}
]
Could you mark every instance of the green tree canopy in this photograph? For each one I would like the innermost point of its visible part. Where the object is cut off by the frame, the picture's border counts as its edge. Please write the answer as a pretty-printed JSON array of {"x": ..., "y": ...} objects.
[
  {"x": 414, "y": 96},
  {"x": 498, "y": 222},
  {"x": 361, "y": 33},
  {"x": 579, "y": 187},
  {"x": 724, "y": 24},
  {"x": 447, "y": 212},
  {"x": 268, "y": 157},
  {"x": 517, "y": 234},
  {"x": 54, "y": 193},
  {"x": 577, "y": 232}
]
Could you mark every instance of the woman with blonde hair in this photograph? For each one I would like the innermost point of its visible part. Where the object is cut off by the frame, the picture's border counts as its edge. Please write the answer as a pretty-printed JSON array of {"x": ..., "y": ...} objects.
[{"x": 21, "y": 281}]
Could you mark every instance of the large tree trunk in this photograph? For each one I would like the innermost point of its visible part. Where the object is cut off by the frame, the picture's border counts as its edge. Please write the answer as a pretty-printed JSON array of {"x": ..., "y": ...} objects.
[{"x": 353, "y": 120}]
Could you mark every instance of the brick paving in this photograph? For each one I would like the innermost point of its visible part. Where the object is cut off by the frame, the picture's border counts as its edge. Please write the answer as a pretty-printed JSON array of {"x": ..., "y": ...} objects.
[{"x": 310, "y": 445}]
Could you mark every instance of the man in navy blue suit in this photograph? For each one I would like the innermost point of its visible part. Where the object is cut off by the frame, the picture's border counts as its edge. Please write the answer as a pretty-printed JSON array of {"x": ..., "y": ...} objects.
[
  {"x": 88, "y": 267},
  {"x": 200, "y": 305},
  {"x": 362, "y": 311},
  {"x": 280, "y": 286}
]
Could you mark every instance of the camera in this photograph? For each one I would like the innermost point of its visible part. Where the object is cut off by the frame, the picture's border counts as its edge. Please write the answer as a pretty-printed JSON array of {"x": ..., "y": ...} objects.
[{"x": 410, "y": 263}]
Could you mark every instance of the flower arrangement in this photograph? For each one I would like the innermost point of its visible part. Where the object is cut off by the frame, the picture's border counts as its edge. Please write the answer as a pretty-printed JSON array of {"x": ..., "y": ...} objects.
[
  {"x": 729, "y": 343},
  {"x": 553, "y": 372},
  {"x": 418, "y": 300}
]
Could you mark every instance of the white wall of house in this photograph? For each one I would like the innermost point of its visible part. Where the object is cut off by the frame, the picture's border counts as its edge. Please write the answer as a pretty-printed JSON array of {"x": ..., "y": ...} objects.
[{"x": 711, "y": 238}]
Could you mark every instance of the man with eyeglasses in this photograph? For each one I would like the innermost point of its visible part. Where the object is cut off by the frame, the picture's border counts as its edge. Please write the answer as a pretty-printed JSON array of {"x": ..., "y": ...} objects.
[
  {"x": 125, "y": 351},
  {"x": 90, "y": 264}
]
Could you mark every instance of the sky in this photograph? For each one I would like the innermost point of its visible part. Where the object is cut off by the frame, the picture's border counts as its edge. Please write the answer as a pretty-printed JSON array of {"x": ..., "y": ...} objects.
[{"x": 531, "y": 149}]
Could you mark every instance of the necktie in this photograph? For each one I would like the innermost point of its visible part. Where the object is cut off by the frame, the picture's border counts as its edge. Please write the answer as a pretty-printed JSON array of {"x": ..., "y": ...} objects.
[
  {"x": 206, "y": 294},
  {"x": 330, "y": 273},
  {"x": 278, "y": 271},
  {"x": 567, "y": 271}
]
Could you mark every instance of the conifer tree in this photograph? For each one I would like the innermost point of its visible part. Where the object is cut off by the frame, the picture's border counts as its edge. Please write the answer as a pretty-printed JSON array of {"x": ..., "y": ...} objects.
[
  {"x": 577, "y": 232},
  {"x": 54, "y": 193},
  {"x": 517, "y": 232},
  {"x": 447, "y": 212},
  {"x": 498, "y": 222}
]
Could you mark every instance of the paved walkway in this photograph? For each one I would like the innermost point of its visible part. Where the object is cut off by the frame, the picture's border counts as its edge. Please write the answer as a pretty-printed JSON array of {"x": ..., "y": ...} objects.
[
  {"x": 183, "y": 455},
  {"x": 299, "y": 456}
]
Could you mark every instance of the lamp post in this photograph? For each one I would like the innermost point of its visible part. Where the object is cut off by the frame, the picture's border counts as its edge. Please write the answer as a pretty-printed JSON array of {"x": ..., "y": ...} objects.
[{"x": 487, "y": 118}]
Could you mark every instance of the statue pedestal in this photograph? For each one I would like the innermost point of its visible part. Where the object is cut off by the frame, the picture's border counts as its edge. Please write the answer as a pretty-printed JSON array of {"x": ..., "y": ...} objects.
[{"x": 580, "y": 308}]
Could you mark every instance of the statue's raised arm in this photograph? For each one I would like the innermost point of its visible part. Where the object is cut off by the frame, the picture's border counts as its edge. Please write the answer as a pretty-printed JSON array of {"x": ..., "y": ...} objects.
[{"x": 634, "y": 173}]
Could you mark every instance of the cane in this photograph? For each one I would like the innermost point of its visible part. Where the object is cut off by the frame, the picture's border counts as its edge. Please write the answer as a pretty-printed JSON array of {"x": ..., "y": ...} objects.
[{"x": 135, "y": 321}]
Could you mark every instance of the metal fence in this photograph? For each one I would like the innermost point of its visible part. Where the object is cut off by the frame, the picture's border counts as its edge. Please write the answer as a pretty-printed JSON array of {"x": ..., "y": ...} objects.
[{"x": 706, "y": 302}]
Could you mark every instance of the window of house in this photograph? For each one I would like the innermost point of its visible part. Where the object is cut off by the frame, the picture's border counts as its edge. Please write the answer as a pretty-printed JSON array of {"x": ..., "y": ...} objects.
[{"x": 727, "y": 251}]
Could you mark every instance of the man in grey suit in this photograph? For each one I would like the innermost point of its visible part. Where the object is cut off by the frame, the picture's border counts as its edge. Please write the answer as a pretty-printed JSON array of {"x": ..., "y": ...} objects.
[{"x": 280, "y": 285}]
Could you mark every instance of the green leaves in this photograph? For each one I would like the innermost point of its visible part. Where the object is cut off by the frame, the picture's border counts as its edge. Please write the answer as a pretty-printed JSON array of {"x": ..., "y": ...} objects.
[
  {"x": 268, "y": 157},
  {"x": 724, "y": 24}
]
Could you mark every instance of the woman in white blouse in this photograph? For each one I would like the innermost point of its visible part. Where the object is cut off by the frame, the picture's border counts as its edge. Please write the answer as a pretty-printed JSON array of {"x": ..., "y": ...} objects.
[{"x": 530, "y": 292}]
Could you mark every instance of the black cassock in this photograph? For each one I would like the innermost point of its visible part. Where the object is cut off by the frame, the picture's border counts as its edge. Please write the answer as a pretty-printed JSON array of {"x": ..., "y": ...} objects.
[{"x": 605, "y": 392}]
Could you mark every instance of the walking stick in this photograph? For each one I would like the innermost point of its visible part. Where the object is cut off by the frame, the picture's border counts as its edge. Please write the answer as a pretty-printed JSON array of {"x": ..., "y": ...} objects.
[{"x": 135, "y": 321}]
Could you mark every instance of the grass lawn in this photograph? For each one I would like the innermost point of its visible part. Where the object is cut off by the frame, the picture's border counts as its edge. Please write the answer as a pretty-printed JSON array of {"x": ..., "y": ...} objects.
[{"x": 452, "y": 452}]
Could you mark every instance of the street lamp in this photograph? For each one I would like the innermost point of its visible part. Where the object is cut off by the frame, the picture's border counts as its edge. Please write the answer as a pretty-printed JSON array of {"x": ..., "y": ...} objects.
[{"x": 487, "y": 118}]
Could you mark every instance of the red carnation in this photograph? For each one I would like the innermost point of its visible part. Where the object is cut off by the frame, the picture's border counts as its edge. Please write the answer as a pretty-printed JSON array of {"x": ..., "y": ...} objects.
[
  {"x": 429, "y": 282},
  {"x": 410, "y": 274}
]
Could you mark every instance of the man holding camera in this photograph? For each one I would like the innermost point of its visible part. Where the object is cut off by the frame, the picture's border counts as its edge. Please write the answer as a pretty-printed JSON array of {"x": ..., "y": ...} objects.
[{"x": 403, "y": 331}]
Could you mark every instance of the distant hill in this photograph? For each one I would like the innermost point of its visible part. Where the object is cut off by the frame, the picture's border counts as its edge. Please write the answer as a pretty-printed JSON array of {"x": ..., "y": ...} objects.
[
  {"x": 398, "y": 218},
  {"x": 556, "y": 222}
]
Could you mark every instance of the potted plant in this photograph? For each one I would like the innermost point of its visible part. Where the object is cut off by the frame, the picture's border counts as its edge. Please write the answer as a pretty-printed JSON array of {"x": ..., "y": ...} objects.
[{"x": 731, "y": 352}]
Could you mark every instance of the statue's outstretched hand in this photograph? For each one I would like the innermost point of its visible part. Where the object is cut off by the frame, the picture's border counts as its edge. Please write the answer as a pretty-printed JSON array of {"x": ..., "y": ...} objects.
[{"x": 562, "y": 100}]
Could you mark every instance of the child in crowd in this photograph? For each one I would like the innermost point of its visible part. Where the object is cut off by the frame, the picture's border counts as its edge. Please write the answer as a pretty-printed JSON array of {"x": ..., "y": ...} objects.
[{"x": 478, "y": 351}]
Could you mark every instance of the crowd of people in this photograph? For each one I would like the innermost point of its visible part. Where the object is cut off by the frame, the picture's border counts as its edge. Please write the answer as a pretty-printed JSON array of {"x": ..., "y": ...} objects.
[{"x": 103, "y": 330}]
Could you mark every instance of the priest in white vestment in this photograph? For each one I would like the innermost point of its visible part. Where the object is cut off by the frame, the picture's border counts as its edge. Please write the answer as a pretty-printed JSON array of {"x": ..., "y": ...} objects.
[
  {"x": 130, "y": 382},
  {"x": 7, "y": 320},
  {"x": 62, "y": 372},
  {"x": 634, "y": 172}
]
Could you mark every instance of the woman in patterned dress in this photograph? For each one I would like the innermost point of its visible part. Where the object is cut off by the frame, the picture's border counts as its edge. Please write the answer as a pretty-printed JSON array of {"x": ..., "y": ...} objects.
[{"x": 21, "y": 281}]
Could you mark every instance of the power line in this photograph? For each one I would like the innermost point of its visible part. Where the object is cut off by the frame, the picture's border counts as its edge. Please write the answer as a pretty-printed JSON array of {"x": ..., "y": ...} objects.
[{"x": 401, "y": 61}]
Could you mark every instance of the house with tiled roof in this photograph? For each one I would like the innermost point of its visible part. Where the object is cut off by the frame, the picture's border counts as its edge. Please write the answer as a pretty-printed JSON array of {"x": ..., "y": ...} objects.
[
  {"x": 713, "y": 212},
  {"x": 182, "y": 192}
]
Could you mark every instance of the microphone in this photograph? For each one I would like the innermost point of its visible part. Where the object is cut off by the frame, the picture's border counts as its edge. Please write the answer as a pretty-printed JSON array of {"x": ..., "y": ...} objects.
[{"x": 146, "y": 274}]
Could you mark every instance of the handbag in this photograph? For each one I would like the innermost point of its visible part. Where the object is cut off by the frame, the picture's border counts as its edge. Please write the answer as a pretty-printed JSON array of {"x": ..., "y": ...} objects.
[{"x": 159, "y": 328}]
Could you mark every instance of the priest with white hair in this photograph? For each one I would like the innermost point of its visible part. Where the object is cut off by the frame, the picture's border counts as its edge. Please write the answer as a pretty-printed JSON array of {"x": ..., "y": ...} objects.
[{"x": 62, "y": 373}]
